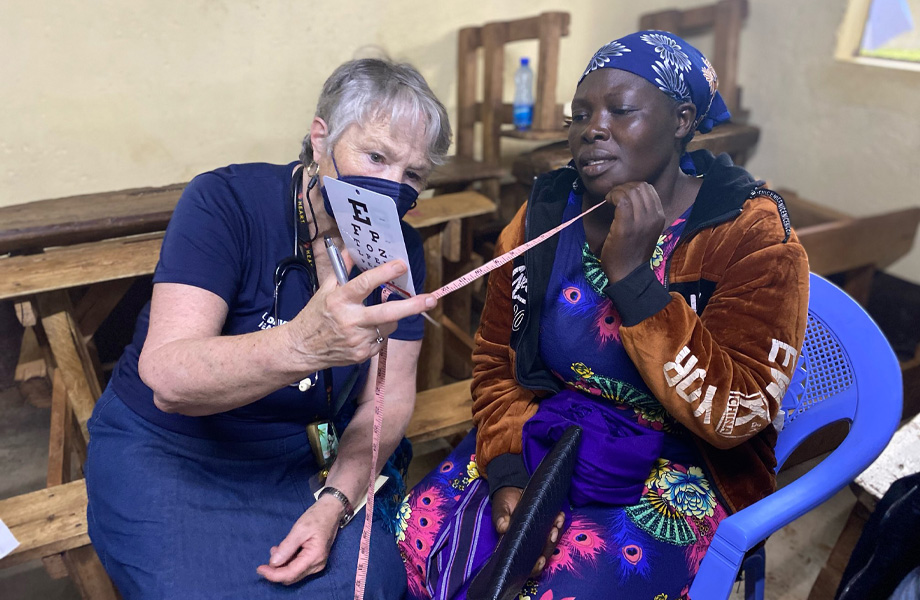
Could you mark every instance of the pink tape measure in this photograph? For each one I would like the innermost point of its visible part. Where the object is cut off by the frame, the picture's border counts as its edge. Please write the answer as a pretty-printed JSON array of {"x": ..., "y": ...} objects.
[{"x": 380, "y": 386}]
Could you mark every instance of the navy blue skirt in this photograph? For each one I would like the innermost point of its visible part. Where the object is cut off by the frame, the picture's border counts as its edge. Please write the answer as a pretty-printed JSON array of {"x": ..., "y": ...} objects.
[{"x": 172, "y": 516}]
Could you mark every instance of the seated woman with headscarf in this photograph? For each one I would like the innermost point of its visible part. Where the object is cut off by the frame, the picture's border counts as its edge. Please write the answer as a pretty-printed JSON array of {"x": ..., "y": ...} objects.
[
  {"x": 666, "y": 324},
  {"x": 220, "y": 415}
]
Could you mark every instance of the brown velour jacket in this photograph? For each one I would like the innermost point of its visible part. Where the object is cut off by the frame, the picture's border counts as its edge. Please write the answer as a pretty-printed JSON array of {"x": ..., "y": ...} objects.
[{"x": 716, "y": 344}]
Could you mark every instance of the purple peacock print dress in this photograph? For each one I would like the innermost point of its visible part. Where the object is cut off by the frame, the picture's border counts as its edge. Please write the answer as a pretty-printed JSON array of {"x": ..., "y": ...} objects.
[{"x": 650, "y": 549}]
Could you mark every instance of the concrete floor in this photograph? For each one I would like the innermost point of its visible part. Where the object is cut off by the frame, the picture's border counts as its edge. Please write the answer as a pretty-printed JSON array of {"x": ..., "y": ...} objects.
[{"x": 794, "y": 554}]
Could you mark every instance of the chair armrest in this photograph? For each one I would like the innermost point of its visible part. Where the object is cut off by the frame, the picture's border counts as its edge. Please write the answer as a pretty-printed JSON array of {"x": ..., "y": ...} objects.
[{"x": 742, "y": 531}]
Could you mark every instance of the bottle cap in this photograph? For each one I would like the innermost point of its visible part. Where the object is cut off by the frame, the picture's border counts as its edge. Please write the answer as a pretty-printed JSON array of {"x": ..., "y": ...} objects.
[{"x": 525, "y": 61}]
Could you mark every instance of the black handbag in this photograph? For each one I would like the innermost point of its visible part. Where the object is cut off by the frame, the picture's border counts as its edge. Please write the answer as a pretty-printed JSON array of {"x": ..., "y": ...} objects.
[{"x": 509, "y": 567}]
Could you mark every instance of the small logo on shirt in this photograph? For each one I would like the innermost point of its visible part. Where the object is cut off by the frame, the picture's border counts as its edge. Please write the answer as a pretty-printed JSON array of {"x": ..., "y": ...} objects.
[{"x": 268, "y": 321}]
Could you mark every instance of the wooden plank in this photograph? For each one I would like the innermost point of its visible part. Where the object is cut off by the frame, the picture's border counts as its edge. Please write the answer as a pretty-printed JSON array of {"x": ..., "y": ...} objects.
[
  {"x": 451, "y": 240},
  {"x": 537, "y": 135},
  {"x": 459, "y": 334},
  {"x": 666, "y": 20},
  {"x": 494, "y": 37},
  {"x": 727, "y": 34},
  {"x": 731, "y": 138},
  {"x": 61, "y": 429},
  {"x": 33, "y": 361},
  {"x": 468, "y": 40},
  {"x": 458, "y": 310},
  {"x": 441, "y": 412},
  {"x": 54, "y": 566},
  {"x": 431, "y": 361},
  {"x": 844, "y": 245},
  {"x": 529, "y": 27},
  {"x": 438, "y": 210},
  {"x": 73, "y": 266},
  {"x": 506, "y": 117},
  {"x": 71, "y": 356},
  {"x": 805, "y": 213},
  {"x": 86, "y": 218},
  {"x": 549, "y": 34},
  {"x": 687, "y": 21},
  {"x": 46, "y": 522},
  {"x": 463, "y": 170}
]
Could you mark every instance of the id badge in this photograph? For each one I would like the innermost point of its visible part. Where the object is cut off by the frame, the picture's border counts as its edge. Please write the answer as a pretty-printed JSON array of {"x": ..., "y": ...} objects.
[{"x": 324, "y": 442}]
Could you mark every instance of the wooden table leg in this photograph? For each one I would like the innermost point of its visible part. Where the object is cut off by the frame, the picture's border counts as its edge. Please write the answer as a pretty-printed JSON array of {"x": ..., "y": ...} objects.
[
  {"x": 431, "y": 361},
  {"x": 88, "y": 575},
  {"x": 71, "y": 356},
  {"x": 458, "y": 362}
]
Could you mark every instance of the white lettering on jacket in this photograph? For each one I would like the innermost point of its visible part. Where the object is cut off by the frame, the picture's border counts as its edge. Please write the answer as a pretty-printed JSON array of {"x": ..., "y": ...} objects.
[
  {"x": 518, "y": 284},
  {"x": 681, "y": 374},
  {"x": 777, "y": 388}
]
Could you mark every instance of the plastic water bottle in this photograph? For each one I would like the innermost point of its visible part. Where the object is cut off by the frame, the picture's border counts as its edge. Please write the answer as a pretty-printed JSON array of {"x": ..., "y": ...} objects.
[{"x": 523, "y": 95}]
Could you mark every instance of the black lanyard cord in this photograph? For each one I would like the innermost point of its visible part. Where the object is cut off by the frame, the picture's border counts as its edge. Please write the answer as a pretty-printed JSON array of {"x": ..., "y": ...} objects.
[{"x": 303, "y": 258}]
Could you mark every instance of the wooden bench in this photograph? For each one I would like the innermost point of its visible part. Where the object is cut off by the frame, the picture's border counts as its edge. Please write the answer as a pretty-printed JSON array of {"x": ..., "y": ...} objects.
[
  {"x": 854, "y": 247},
  {"x": 34, "y": 226},
  {"x": 51, "y": 523},
  {"x": 441, "y": 412}
]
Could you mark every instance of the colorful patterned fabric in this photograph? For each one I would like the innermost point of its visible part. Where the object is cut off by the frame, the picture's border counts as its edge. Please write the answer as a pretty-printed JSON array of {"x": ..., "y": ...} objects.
[
  {"x": 580, "y": 328},
  {"x": 670, "y": 64},
  {"x": 650, "y": 550}
]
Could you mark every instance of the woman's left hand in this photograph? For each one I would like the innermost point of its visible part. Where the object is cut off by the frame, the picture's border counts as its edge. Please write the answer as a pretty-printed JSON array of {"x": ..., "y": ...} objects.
[
  {"x": 634, "y": 232},
  {"x": 306, "y": 548}
]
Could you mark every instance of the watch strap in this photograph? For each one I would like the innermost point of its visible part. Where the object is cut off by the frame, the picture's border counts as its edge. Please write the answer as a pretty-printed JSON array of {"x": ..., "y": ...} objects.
[{"x": 346, "y": 504}]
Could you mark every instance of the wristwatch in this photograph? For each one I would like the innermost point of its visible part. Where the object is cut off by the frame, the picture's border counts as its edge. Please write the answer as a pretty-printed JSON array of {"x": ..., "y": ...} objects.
[{"x": 338, "y": 495}]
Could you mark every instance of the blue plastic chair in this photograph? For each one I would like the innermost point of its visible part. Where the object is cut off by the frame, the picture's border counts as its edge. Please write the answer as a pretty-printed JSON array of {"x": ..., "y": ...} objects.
[{"x": 846, "y": 358}]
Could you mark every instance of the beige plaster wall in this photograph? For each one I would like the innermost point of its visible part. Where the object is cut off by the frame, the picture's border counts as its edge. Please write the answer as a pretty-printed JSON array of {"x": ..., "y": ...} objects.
[
  {"x": 110, "y": 95},
  {"x": 838, "y": 133}
]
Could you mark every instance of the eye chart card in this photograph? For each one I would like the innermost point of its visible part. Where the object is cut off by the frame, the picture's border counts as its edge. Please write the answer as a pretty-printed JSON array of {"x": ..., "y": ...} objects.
[{"x": 370, "y": 227}]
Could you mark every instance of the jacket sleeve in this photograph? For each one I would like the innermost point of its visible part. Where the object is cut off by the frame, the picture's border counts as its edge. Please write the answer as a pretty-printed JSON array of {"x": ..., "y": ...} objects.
[
  {"x": 500, "y": 405},
  {"x": 723, "y": 374}
]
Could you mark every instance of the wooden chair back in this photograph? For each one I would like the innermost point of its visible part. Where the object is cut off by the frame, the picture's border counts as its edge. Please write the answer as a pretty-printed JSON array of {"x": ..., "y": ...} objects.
[
  {"x": 547, "y": 28},
  {"x": 724, "y": 19}
]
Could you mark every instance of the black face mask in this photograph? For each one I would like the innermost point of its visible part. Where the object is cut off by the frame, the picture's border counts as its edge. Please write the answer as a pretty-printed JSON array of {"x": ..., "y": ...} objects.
[{"x": 404, "y": 195}]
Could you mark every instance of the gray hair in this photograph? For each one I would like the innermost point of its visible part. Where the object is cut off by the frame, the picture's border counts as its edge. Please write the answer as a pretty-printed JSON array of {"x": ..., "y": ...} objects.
[{"x": 368, "y": 88}]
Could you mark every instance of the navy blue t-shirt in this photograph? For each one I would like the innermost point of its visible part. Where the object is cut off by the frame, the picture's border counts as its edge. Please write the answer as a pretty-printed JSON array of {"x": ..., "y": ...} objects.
[{"x": 230, "y": 229}]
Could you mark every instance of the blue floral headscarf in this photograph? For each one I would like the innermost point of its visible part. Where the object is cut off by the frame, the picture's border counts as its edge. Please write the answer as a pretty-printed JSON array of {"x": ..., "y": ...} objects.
[{"x": 673, "y": 66}]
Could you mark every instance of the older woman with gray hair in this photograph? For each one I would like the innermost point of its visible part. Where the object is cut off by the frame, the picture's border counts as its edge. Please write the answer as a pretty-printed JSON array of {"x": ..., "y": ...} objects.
[{"x": 210, "y": 472}]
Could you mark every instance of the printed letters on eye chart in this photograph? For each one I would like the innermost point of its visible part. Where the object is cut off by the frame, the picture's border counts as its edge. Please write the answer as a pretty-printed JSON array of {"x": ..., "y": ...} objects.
[{"x": 370, "y": 227}]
